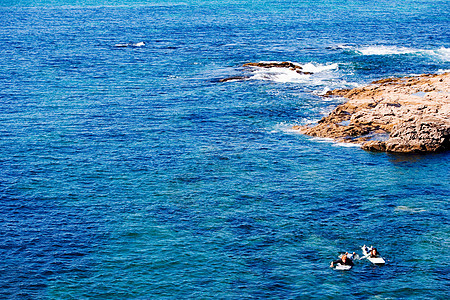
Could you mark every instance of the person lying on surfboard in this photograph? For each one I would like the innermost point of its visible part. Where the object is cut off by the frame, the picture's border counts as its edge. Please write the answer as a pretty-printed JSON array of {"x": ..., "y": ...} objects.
[
  {"x": 374, "y": 252},
  {"x": 351, "y": 256},
  {"x": 344, "y": 260},
  {"x": 372, "y": 255}
]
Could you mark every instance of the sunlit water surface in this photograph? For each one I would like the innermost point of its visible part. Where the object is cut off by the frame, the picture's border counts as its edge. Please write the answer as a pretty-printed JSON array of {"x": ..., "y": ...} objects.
[{"x": 128, "y": 171}]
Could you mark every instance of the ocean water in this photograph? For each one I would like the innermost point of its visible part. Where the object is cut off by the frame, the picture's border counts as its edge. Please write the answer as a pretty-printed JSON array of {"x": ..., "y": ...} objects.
[{"x": 128, "y": 171}]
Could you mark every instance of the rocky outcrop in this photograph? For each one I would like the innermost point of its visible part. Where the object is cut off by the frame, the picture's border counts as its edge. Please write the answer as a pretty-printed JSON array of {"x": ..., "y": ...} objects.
[
  {"x": 284, "y": 64},
  {"x": 267, "y": 65},
  {"x": 410, "y": 114}
]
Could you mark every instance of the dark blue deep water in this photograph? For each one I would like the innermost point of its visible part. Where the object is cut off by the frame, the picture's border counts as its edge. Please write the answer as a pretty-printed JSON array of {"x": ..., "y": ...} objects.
[{"x": 128, "y": 171}]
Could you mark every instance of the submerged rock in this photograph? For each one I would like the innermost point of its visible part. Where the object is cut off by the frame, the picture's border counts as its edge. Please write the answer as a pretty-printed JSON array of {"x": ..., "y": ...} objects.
[{"x": 412, "y": 112}]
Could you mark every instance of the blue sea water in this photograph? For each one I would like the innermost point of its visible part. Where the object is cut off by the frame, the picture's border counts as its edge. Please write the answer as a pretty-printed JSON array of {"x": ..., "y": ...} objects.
[{"x": 133, "y": 173}]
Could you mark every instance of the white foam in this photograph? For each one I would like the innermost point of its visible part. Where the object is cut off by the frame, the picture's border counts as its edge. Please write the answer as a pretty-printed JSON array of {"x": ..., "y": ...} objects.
[
  {"x": 322, "y": 140},
  {"x": 279, "y": 75},
  {"x": 442, "y": 53},
  {"x": 309, "y": 67},
  {"x": 285, "y": 75},
  {"x": 334, "y": 143},
  {"x": 409, "y": 209},
  {"x": 347, "y": 145},
  {"x": 139, "y": 44},
  {"x": 385, "y": 50},
  {"x": 288, "y": 127},
  {"x": 284, "y": 127}
]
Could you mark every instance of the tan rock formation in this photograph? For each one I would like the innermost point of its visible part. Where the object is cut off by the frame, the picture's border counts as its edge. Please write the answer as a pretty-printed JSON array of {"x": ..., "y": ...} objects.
[{"x": 410, "y": 114}]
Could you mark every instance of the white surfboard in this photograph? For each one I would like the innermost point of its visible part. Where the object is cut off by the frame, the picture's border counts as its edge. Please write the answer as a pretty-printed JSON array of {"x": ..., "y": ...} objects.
[
  {"x": 343, "y": 267},
  {"x": 375, "y": 260}
]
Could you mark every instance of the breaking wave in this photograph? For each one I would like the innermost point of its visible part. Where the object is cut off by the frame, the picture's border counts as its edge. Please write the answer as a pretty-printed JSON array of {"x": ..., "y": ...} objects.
[
  {"x": 442, "y": 53},
  {"x": 385, "y": 50},
  {"x": 285, "y": 75}
]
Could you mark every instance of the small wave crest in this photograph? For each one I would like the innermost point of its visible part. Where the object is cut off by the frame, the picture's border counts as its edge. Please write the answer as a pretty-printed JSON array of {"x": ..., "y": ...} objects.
[
  {"x": 310, "y": 67},
  {"x": 403, "y": 208},
  {"x": 123, "y": 45},
  {"x": 385, "y": 50},
  {"x": 442, "y": 53}
]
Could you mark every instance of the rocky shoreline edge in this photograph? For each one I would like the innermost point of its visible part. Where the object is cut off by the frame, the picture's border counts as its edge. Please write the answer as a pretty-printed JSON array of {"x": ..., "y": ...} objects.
[{"x": 403, "y": 115}]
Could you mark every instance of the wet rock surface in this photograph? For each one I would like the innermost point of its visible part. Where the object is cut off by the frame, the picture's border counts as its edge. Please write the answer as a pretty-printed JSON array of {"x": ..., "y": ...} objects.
[
  {"x": 267, "y": 65},
  {"x": 284, "y": 64},
  {"x": 233, "y": 78},
  {"x": 410, "y": 114}
]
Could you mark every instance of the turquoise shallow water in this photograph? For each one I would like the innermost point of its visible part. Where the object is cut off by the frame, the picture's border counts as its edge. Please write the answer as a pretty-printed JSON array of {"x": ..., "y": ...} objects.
[{"x": 133, "y": 173}]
